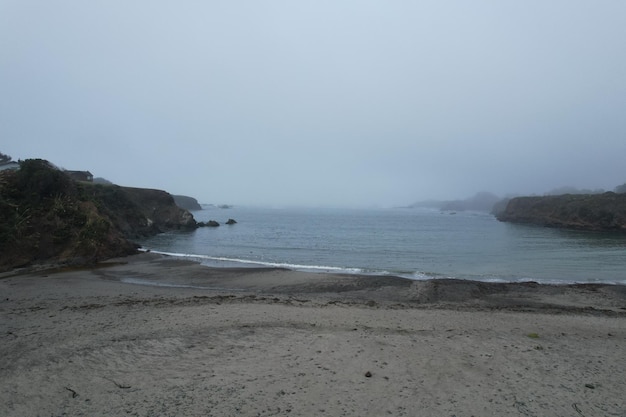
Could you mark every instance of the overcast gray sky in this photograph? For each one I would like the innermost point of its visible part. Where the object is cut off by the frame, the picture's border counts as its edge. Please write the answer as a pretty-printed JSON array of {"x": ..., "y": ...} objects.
[{"x": 351, "y": 102}]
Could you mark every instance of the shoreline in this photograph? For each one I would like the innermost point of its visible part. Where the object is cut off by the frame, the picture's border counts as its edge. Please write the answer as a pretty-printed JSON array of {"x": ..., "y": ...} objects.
[
  {"x": 181, "y": 277},
  {"x": 276, "y": 342},
  {"x": 417, "y": 276}
]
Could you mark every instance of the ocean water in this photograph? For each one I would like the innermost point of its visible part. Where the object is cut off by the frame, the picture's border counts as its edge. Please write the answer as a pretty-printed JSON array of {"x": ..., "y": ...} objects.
[{"x": 412, "y": 243}]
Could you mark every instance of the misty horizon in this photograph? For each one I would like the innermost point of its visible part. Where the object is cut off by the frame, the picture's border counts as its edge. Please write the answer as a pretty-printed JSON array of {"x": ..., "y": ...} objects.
[
  {"x": 481, "y": 195},
  {"x": 316, "y": 103}
]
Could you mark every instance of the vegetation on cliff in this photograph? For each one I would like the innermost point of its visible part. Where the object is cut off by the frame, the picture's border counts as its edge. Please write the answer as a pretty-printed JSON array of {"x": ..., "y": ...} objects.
[
  {"x": 597, "y": 212},
  {"x": 45, "y": 216}
]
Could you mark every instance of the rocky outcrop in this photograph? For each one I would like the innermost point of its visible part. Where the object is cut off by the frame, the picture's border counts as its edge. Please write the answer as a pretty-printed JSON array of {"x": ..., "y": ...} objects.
[
  {"x": 597, "y": 212},
  {"x": 187, "y": 203},
  {"x": 45, "y": 217},
  {"x": 141, "y": 212},
  {"x": 210, "y": 223},
  {"x": 500, "y": 207},
  {"x": 213, "y": 223}
]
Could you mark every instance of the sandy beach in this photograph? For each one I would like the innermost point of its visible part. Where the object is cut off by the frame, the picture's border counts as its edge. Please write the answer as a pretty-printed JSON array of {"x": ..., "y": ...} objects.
[{"x": 150, "y": 335}]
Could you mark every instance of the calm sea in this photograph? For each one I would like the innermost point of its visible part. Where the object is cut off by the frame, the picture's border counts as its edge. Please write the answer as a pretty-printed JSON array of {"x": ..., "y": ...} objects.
[{"x": 413, "y": 243}]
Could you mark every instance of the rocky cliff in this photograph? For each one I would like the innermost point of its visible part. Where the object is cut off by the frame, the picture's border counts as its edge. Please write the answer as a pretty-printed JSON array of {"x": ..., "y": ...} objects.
[
  {"x": 597, "y": 212},
  {"x": 139, "y": 212},
  {"x": 45, "y": 216},
  {"x": 188, "y": 203}
]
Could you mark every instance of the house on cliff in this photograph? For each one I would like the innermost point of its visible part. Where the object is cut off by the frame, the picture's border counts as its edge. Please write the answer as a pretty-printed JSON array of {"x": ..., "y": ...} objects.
[
  {"x": 9, "y": 165},
  {"x": 80, "y": 175}
]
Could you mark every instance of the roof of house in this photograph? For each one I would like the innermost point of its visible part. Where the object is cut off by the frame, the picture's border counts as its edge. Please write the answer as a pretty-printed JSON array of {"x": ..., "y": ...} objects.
[{"x": 9, "y": 165}]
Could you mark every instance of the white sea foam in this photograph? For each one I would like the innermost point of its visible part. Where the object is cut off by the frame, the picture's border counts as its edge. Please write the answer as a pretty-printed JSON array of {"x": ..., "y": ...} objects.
[
  {"x": 309, "y": 268},
  {"x": 418, "y": 276},
  {"x": 220, "y": 261}
]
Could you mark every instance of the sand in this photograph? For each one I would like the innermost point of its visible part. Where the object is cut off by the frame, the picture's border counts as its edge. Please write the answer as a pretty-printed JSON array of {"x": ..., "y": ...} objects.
[{"x": 271, "y": 342}]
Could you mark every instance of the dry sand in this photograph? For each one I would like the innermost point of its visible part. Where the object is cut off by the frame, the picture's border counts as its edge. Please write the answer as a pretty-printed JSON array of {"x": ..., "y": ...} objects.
[{"x": 266, "y": 342}]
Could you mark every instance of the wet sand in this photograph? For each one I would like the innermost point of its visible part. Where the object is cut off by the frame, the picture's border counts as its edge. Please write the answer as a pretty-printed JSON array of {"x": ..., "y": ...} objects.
[{"x": 155, "y": 336}]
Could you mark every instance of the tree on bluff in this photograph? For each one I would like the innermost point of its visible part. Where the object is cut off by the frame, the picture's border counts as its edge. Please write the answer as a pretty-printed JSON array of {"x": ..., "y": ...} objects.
[
  {"x": 38, "y": 180},
  {"x": 4, "y": 158}
]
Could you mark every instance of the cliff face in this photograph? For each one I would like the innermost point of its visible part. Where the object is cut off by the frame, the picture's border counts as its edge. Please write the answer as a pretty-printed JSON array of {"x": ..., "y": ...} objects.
[
  {"x": 139, "y": 212},
  {"x": 597, "y": 212},
  {"x": 45, "y": 216},
  {"x": 188, "y": 203}
]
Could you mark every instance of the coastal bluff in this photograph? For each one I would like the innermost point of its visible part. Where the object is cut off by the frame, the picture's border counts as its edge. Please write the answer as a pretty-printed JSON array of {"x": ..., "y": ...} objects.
[
  {"x": 187, "y": 203},
  {"x": 46, "y": 217},
  {"x": 592, "y": 212}
]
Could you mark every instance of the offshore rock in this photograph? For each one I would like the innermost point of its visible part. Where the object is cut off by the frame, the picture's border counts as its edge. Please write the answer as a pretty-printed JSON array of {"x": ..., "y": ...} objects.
[
  {"x": 231, "y": 221},
  {"x": 593, "y": 212},
  {"x": 210, "y": 223}
]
